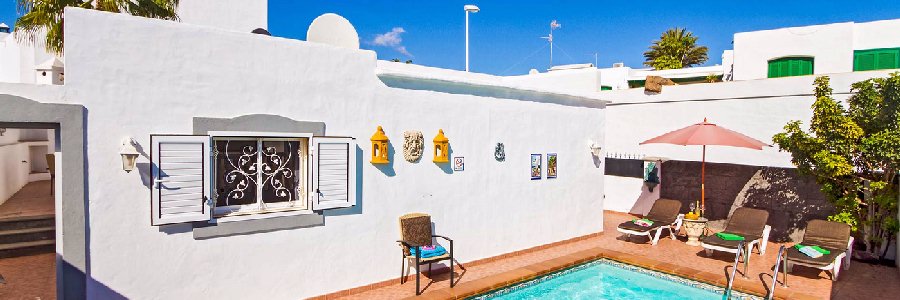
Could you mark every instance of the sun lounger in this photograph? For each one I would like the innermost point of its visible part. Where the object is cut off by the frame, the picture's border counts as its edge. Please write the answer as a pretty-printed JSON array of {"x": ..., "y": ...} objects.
[
  {"x": 749, "y": 223},
  {"x": 834, "y": 237},
  {"x": 663, "y": 214}
]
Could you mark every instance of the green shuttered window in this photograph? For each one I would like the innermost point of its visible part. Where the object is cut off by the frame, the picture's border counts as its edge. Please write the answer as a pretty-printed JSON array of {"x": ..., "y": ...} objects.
[
  {"x": 790, "y": 66},
  {"x": 876, "y": 59}
]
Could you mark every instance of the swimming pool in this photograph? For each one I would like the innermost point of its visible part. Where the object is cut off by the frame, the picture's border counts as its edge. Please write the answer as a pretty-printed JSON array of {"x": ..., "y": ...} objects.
[{"x": 608, "y": 279}]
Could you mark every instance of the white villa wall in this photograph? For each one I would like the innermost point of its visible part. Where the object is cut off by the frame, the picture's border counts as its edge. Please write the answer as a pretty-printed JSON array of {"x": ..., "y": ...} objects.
[
  {"x": 586, "y": 80},
  {"x": 17, "y": 60},
  {"x": 757, "y": 108},
  {"x": 17, "y": 160},
  {"x": 237, "y": 15},
  {"x": 489, "y": 209},
  {"x": 828, "y": 44},
  {"x": 877, "y": 34},
  {"x": 13, "y": 173},
  {"x": 832, "y": 46},
  {"x": 616, "y": 77}
]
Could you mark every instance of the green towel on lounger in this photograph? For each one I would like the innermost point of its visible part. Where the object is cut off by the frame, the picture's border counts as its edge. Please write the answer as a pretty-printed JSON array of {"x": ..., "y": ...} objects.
[
  {"x": 729, "y": 236},
  {"x": 817, "y": 248}
]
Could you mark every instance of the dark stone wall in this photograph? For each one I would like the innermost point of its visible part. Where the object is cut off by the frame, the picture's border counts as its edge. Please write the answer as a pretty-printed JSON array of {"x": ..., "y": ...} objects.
[{"x": 790, "y": 199}]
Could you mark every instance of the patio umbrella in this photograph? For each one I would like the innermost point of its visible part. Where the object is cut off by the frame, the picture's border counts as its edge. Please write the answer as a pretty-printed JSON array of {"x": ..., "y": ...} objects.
[{"x": 704, "y": 134}]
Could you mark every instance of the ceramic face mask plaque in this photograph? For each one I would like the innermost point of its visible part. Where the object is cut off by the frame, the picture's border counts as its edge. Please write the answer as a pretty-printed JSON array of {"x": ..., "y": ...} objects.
[{"x": 413, "y": 145}]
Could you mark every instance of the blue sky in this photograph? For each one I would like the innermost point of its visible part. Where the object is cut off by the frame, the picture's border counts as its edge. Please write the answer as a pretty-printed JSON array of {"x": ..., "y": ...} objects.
[{"x": 504, "y": 36}]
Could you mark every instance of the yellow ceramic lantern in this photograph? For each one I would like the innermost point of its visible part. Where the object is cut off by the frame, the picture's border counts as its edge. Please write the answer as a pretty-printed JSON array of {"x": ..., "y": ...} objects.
[
  {"x": 441, "y": 147},
  {"x": 380, "y": 147}
]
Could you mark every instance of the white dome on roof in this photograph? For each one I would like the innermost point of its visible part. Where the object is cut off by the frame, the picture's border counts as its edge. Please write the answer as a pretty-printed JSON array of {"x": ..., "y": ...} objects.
[{"x": 334, "y": 30}]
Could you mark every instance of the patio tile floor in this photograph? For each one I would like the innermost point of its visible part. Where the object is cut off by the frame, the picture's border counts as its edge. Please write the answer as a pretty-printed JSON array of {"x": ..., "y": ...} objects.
[
  {"x": 862, "y": 281},
  {"x": 33, "y": 199}
]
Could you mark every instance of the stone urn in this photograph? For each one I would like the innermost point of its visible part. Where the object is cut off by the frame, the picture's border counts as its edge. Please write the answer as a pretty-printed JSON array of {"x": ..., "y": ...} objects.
[{"x": 694, "y": 229}]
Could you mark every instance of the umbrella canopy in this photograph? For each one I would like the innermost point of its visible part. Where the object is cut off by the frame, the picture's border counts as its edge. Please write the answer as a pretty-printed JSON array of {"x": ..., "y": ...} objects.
[{"x": 703, "y": 134}]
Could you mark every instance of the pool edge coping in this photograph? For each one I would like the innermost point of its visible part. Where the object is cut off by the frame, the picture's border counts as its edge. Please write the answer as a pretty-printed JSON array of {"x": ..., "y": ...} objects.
[{"x": 519, "y": 275}]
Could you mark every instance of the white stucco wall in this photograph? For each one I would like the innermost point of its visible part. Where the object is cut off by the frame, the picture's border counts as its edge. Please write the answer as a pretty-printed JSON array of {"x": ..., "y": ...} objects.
[
  {"x": 18, "y": 59},
  {"x": 584, "y": 80},
  {"x": 237, "y": 15},
  {"x": 489, "y": 209},
  {"x": 20, "y": 155},
  {"x": 13, "y": 173},
  {"x": 830, "y": 45},
  {"x": 877, "y": 34},
  {"x": 757, "y": 108}
]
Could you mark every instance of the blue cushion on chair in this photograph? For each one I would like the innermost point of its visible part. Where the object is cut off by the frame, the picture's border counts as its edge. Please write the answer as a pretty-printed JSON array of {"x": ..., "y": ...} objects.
[{"x": 438, "y": 250}]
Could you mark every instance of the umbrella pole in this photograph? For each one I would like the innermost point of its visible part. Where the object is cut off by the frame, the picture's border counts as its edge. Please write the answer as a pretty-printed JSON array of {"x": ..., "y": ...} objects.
[{"x": 703, "y": 184}]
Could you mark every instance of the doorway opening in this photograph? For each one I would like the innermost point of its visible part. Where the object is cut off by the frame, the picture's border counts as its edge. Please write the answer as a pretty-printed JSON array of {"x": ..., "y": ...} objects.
[{"x": 28, "y": 211}]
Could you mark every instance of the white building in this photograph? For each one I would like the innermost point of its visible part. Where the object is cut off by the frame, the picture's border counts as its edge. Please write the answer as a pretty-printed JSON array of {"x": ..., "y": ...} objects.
[
  {"x": 793, "y": 51},
  {"x": 819, "y": 49},
  {"x": 116, "y": 240},
  {"x": 143, "y": 234}
]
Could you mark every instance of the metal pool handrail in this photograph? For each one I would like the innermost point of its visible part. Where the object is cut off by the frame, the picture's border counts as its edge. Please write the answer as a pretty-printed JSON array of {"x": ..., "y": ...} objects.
[
  {"x": 781, "y": 257},
  {"x": 737, "y": 257}
]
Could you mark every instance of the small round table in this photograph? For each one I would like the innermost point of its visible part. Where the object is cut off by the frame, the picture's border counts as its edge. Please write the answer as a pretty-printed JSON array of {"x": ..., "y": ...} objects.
[{"x": 694, "y": 229}]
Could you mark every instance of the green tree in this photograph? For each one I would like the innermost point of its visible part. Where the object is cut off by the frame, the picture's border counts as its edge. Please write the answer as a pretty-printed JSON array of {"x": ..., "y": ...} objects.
[
  {"x": 853, "y": 152},
  {"x": 46, "y": 16},
  {"x": 676, "y": 48}
]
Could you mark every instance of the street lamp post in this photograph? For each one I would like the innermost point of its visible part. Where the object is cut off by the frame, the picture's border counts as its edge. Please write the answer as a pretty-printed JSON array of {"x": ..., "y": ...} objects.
[{"x": 473, "y": 9}]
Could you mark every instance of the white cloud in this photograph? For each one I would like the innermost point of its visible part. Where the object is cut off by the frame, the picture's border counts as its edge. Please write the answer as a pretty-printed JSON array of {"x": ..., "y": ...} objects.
[{"x": 392, "y": 39}]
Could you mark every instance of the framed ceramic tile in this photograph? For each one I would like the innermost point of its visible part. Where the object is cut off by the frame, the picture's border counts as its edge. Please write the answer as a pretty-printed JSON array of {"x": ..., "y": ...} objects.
[
  {"x": 551, "y": 165},
  {"x": 459, "y": 163},
  {"x": 536, "y": 167}
]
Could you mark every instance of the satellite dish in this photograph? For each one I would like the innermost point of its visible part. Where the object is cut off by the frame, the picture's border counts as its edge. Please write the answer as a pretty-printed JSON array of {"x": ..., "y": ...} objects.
[{"x": 334, "y": 30}]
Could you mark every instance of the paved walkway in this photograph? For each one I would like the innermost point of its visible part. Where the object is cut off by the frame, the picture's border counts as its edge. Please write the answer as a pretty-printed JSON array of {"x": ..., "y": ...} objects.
[
  {"x": 862, "y": 281},
  {"x": 34, "y": 276},
  {"x": 29, "y": 277},
  {"x": 33, "y": 199}
]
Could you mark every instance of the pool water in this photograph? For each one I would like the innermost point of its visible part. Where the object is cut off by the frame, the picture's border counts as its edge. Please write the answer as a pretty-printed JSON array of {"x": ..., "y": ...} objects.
[{"x": 606, "y": 279}]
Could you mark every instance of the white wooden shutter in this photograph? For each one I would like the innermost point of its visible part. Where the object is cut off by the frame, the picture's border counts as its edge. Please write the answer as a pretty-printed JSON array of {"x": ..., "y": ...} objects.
[
  {"x": 180, "y": 178},
  {"x": 333, "y": 175}
]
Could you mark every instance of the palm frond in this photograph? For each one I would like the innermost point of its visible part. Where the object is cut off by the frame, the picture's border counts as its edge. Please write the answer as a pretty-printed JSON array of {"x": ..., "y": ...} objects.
[
  {"x": 676, "y": 48},
  {"x": 46, "y": 16}
]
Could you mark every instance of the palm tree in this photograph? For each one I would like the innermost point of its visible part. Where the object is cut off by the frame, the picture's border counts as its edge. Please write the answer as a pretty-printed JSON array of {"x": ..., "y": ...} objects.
[
  {"x": 676, "y": 48},
  {"x": 46, "y": 16}
]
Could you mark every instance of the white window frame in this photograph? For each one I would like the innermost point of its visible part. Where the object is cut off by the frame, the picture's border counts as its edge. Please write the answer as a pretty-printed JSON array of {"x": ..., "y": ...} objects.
[{"x": 253, "y": 211}]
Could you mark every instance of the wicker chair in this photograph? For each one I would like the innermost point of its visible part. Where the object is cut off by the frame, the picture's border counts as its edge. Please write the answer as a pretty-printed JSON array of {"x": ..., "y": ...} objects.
[{"x": 415, "y": 231}]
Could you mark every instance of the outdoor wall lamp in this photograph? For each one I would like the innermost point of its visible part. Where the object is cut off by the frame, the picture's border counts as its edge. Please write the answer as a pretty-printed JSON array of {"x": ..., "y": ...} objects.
[
  {"x": 129, "y": 154},
  {"x": 441, "y": 147},
  {"x": 2, "y": 131},
  {"x": 595, "y": 149},
  {"x": 380, "y": 147}
]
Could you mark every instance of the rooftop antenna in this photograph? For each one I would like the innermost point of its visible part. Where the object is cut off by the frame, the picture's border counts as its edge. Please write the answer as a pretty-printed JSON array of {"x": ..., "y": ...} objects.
[{"x": 553, "y": 25}]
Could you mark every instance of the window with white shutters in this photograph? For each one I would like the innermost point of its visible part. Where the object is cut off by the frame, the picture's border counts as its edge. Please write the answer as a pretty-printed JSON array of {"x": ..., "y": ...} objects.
[
  {"x": 196, "y": 178},
  {"x": 180, "y": 174},
  {"x": 333, "y": 172}
]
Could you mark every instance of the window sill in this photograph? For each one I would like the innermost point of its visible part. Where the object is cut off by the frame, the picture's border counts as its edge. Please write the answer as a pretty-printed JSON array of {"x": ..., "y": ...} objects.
[
  {"x": 257, "y": 223},
  {"x": 257, "y": 215}
]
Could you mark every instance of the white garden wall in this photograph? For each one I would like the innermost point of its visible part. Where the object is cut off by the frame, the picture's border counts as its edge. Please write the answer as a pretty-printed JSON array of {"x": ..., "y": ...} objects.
[
  {"x": 757, "y": 108},
  {"x": 489, "y": 209},
  {"x": 237, "y": 15}
]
